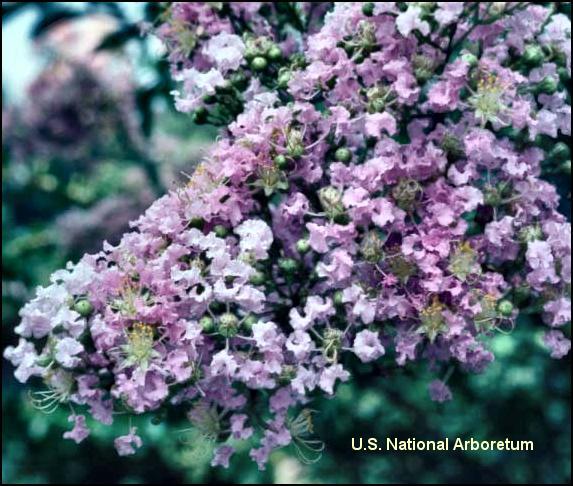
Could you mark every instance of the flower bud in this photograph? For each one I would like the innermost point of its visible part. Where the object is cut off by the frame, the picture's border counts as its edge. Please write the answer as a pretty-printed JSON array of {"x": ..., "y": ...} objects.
[
  {"x": 337, "y": 298},
  {"x": 533, "y": 55},
  {"x": 83, "y": 307},
  {"x": 220, "y": 231},
  {"x": 274, "y": 53},
  {"x": 199, "y": 116},
  {"x": 343, "y": 155},
  {"x": 249, "y": 321},
  {"x": 207, "y": 324},
  {"x": 302, "y": 246},
  {"x": 505, "y": 308},
  {"x": 288, "y": 265},
  {"x": 470, "y": 58},
  {"x": 44, "y": 360},
  {"x": 368, "y": 9},
  {"x": 281, "y": 162},
  {"x": 560, "y": 151},
  {"x": 259, "y": 64},
  {"x": 239, "y": 80},
  {"x": 196, "y": 222},
  {"x": 283, "y": 78},
  {"x": 564, "y": 75},
  {"x": 258, "y": 278},
  {"x": 565, "y": 167},
  {"x": 228, "y": 325},
  {"x": 547, "y": 86}
]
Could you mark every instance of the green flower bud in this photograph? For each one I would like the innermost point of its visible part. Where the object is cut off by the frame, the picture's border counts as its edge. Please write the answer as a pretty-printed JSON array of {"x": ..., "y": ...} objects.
[
  {"x": 228, "y": 325},
  {"x": 220, "y": 231},
  {"x": 547, "y": 86},
  {"x": 343, "y": 155},
  {"x": 288, "y": 265},
  {"x": 209, "y": 99},
  {"x": 249, "y": 321},
  {"x": 560, "y": 151},
  {"x": 44, "y": 360},
  {"x": 258, "y": 278},
  {"x": 302, "y": 246},
  {"x": 226, "y": 87},
  {"x": 83, "y": 307},
  {"x": 199, "y": 116},
  {"x": 337, "y": 298},
  {"x": 533, "y": 55},
  {"x": 259, "y": 64},
  {"x": 239, "y": 80},
  {"x": 274, "y": 53},
  {"x": 564, "y": 76},
  {"x": 565, "y": 167},
  {"x": 207, "y": 324},
  {"x": 196, "y": 222},
  {"x": 470, "y": 58},
  {"x": 505, "y": 308},
  {"x": 284, "y": 78},
  {"x": 521, "y": 294},
  {"x": 368, "y": 9},
  {"x": 281, "y": 162}
]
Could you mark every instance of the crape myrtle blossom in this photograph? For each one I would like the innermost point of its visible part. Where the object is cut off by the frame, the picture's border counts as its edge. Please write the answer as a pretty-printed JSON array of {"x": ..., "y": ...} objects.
[
  {"x": 383, "y": 205},
  {"x": 224, "y": 48}
]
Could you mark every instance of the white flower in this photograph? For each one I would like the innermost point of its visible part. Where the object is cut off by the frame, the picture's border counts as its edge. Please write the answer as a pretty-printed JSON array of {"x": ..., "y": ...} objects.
[
  {"x": 256, "y": 237},
  {"x": 226, "y": 51},
  {"x": 329, "y": 376},
  {"x": 409, "y": 20},
  {"x": 195, "y": 85},
  {"x": 223, "y": 363},
  {"x": 66, "y": 351},
  {"x": 367, "y": 346}
]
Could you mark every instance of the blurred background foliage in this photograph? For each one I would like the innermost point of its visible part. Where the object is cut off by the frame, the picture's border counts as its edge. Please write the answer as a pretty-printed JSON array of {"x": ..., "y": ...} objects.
[{"x": 87, "y": 144}]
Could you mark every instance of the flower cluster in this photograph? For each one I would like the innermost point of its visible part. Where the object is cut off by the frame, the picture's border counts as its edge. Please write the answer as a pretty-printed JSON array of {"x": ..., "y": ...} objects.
[
  {"x": 223, "y": 52},
  {"x": 383, "y": 205}
]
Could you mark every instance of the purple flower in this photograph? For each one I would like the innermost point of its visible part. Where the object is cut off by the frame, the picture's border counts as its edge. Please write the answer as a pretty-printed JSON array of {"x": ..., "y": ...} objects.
[
  {"x": 439, "y": 391},
  {"x": 557, "y": 343},
  {"x": 222, "y": 455},
  {"x": 80, "y": 431},
  {"x": 126, "y": 445}
]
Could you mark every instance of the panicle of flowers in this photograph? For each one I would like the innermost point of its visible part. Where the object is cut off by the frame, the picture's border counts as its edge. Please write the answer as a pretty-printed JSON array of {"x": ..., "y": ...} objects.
[
  {"x": 384, "y": 205},
  {"x": 222, "y": 52}
]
